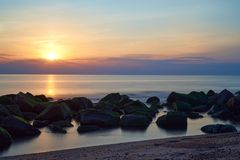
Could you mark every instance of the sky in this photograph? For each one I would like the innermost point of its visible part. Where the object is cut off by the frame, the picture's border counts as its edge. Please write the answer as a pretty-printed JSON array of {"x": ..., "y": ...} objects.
[{"x": 119, "y": 37}]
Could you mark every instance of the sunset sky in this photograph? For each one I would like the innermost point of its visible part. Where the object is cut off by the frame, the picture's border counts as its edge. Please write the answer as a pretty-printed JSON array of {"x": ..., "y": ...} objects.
[{"x": 78, "y": 33}]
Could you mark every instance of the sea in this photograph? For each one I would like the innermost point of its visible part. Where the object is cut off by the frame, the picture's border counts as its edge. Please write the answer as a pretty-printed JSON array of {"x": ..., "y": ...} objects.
[{"x": 95, "y": 87}]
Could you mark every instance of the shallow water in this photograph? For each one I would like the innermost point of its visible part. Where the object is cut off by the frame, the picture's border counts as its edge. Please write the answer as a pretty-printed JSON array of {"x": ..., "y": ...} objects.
[{"x": 94, "y": 87}]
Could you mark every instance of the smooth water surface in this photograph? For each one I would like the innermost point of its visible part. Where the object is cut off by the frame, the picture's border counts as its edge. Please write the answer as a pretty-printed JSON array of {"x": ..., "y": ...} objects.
[{"x": 95, "y": 87}]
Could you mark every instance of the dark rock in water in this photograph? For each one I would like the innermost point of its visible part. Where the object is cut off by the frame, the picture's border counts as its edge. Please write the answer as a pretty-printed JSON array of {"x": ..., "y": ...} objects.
[
  {"x": 201, "y": 108},
  {"x": 40, "y": 124},
  {"x": 56, "y": 112},
  {"x": 210, "y": 93},
  {"x": 29, "y": 116},
  {"x": 99, "y": 118},
  {"x": 193, "y": 98},
  {"x": 182, "y": 107},
  {"x": 155, "y": 107},
  {"x": 56, "y": 129},
  {"x": 18, "y": 127},
  {"x": 117, "y": 99},
  {"x": 139, "y": 108},
  {"x": 63, "y": 124},
  {"x": 26, "y": 102},
  {"x": 216, "y": 109},
  {"x": 78, "y": 103},
  {"x": 7, "y": 110},
  {"x": 223, "y": 97},
  {"x": 7, "y": 99},
  {"x": 224, "y": 114},
  {"x": 5, "y": 139},
  {"x": 42, "y": 98},
  {"x": 153, "y": 100},
  {"x": 238, "y": 93},
  {"x": 87, "y": 128},
  {"x": 194, "y": 115},
  {"x": 134, "y": 121},
  {"x": 173, "y": 120},
  {"x": 108, "y": 107},
  {"x": 233, "y": 105},
  {"x": 218, "y": 128}
]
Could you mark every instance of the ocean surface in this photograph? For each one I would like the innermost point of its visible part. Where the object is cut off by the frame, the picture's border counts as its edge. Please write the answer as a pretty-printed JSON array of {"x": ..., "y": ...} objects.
[{"x": 96, "y": 86}]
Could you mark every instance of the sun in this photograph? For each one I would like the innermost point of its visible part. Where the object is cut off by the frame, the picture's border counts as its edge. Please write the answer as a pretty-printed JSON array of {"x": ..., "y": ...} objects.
[{"x": 51, "y": 56}]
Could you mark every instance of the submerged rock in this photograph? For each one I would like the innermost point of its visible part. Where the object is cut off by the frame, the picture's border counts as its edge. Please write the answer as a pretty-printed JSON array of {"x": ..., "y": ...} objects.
[
  {"x": 173, "y": 120},
  {"x": 134, "y": 121},
  {"x": 18, "y": 127},
  {"x": 87, "y": 128},
  {"x": 218, "y": 128},
  {"x": 5, "y": 139}
]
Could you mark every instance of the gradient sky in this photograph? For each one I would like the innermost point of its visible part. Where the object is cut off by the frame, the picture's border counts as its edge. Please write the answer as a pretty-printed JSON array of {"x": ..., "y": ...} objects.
[{"x": 198, "y": 31}]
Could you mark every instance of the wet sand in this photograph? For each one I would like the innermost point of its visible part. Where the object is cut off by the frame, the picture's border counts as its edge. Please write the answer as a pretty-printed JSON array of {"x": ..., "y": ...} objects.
[{"x": 211, "y": 147}]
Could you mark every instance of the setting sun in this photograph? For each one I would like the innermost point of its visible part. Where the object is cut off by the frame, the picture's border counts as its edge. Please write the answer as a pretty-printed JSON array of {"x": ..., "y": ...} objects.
[{"x": 51, "y": 56}]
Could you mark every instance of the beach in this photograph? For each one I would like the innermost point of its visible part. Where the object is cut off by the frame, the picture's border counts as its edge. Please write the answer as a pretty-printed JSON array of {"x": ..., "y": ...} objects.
[{"x": 211, "y": 147}]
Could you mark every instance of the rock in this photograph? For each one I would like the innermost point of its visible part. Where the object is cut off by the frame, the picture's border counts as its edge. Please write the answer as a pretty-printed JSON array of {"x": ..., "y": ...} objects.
[
  {"x": 134, "y": 121},
  {"x": 173, "y": 120},
  {"x": 108, "y": 108},
  {"x": 63, "y": 124},
  {"x": 233, "y": 105},
  {"x": 40, "y": 124},
  {"x": 194, "y": 115},
  {"x": 182, "y": 107},
  {"x": 99, "y": 118},
  {"x": 210, "y": 93},
  {"x": 7, "y": 110},
  {"x": 5, "y": 139},
  {"x": 224, "y": 114},
  {"x": 238, "y": 93},
  {"x": 18, "y": 127},
  {"x": 218, "y": 128},
  {"x": 116, "y": 98},
  {"x": 223, "y": 97},
  {"x": 29, "y": 116},
  {"x": 7, "y": 99},
  {"x": 153, "y": 100},
  {"x": 42, "y": 98},
  {"x": 79, "y": 103},
  {"x": 155, "y": 107},
  {"x": 139, "y": 108},
  {"x": 201, "y": 108},
  {"x": 87, "y": 128},
  {"x": 56, "y": 129},
  {"x": 193, "y": 98},
  {"x": 56, "y": 112},
  {"x": 26, "y": 102}
]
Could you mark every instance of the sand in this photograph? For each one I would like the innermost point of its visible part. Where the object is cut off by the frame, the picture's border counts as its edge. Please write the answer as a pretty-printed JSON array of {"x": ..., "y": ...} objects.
[{"x": 203, "y": 147}]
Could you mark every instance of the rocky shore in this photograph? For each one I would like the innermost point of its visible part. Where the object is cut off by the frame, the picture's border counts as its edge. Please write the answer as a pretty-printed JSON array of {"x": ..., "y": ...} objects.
[
  {"x": 22, "y": 114},
  {"x": 211, "y": 147}
]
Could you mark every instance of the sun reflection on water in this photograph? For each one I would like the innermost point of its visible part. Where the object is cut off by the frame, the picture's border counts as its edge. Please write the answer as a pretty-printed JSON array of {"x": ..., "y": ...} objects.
[{"x": 51, "y": 85}]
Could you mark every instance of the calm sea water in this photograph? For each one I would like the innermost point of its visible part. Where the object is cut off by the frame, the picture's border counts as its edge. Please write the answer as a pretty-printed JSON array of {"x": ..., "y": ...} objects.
[{"x": 95, "y": 87}]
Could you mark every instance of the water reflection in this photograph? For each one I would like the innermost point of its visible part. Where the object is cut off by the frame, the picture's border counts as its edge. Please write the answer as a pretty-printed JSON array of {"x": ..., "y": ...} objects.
[{"x": 51, "y": 89}]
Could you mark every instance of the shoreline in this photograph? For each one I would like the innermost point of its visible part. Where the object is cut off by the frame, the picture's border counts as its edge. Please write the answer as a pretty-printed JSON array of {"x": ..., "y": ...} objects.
[{"x": 210, "y": 146}]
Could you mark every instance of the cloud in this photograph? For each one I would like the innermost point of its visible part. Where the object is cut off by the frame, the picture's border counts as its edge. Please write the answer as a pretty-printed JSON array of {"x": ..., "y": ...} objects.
[{"x": 123, "y": 65}]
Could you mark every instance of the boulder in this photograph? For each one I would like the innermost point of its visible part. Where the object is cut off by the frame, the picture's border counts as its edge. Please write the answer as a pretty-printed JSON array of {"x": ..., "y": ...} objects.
[
  {"x": 223, "y": 97},
  {"x": 42, "y": 98},
  {"x": 182, "y": 107},
  {"x": 18, "y": 127},
  {"x": 210, "y": 93},
  {"x": 194, "y": 115},
  {"x": 117, "y": 99},
  {"x": 63, "y": 124},
  {"x": 78, "y": 103},
  {"x": 40, "y": 124},
  {"x": 5, "y": 139},
  {"x": 108, "y": 107},
  {"x": 153, "y": 100},
  {"x": 138, "y": 108},
  {"x": 173, "y": 120},
  {"x": 223, "y": 114},
  {"x": 218, "y": 128},
  {"x": 29, "y": 116},
  {"x": 7, "y": 110},
  {"x": 55, "y": 112},
  {"x": 99, "y": 118},
  {"x": 201, "y": 108},
  {"x": 57, "y": 129},
  {"x": 7, "y": 99},
  {"x": 134, "y": 121},
  {"x": 233, "y": 105},
  {"x": 238, "y": 93},
  {"x": 87, "y": 128}
]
